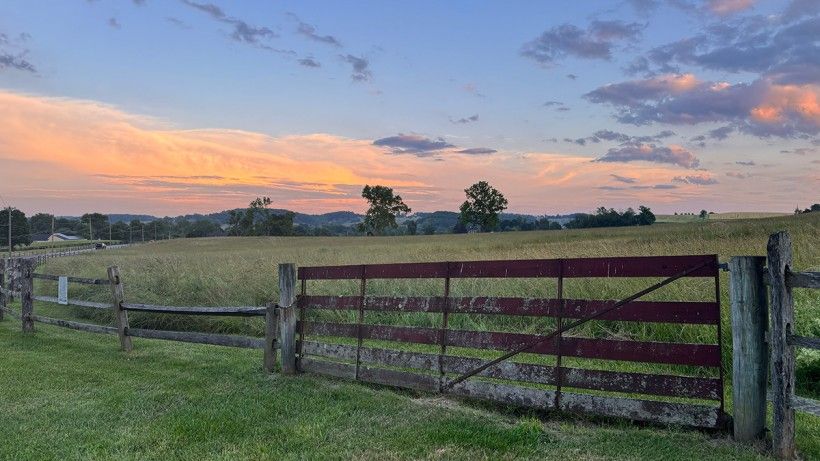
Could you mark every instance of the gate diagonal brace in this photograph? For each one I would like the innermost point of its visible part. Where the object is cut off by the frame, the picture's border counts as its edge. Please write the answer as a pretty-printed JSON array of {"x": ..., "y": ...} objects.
[{"x": 572, "y": 325}]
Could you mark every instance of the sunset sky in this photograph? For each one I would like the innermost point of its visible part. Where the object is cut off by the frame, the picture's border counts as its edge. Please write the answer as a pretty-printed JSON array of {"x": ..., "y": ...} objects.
[{"x": 173, "y": 107}]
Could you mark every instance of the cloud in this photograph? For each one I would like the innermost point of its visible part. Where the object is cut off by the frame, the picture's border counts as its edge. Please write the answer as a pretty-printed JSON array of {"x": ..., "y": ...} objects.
[
  {"x": 477, "y": 151},
  {"x": 572, "y": 76},
  {"x": 309, "y": 62},
  {"x": 553, "y": 103},
  {"x": 465, "y": 120},
  {"x": 177, "y": 22},
  {"x": 631, "y": 152},
  {"x": 242, "y": 31},
  {"x": 778, "y": 49},
  {"x": 15, "y": 59},
  {"x": 309, "y": 31},
  {"x": 800, "y": 151},
  {"x": 413, "y": 144},
  {"x": 49, "y": 147},
  {"x": 721, "y": 133},
  {"x": 761, "y": 108},
  {"x": 624, "y": 179},
  {"x": 18, "y": 62},
  {"x": 609, "y": 135},
  {"x": 361, "y": 67},
  {"x": 729, "y": 7},
  {"x": 745, "y": 162},
  {"x": 113, "y": 23},
  {"x": 596, "y": 42},
  {"x": 738, "y": 175},
  {"x": 698, "y": 180}
]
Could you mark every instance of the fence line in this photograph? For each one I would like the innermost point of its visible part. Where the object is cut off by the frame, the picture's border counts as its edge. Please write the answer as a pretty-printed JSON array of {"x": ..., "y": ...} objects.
[{"x": 760, "y": 293}]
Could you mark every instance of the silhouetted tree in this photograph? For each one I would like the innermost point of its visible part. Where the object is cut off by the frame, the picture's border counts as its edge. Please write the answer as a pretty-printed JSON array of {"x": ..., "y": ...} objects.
[
  {"x": 385, "y": 206},
  {"x": 483, "y": 205}
]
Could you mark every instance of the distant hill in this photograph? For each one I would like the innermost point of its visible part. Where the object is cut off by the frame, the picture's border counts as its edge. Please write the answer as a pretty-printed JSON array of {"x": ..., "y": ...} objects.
[{"x": 442, "y": 221}]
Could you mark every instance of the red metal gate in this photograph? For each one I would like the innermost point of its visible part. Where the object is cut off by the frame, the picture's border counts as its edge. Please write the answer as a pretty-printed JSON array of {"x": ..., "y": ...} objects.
[{"x": 604, "y": 375}]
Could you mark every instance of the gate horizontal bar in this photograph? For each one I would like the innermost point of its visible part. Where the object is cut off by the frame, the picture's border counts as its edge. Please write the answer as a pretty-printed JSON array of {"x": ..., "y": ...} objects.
[
  {"x": 632, "y": 266},
  {"x": 704, "y": 313},
  {"x": 706, "y": 355},
  {"x": 613, "y": 381}
]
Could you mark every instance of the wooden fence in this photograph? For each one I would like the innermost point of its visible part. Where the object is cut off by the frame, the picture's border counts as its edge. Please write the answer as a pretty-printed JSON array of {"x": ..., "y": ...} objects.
[
  {"x": 24, "y": 268},
  {"x": 460, "y": 362},
  {"x": 764, "y": 342},
  {"x": 338, "y": 349}
]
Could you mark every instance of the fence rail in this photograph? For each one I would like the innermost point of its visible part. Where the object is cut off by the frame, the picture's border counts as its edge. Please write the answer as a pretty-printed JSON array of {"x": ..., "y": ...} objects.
[{"x": 240, "y": 311}]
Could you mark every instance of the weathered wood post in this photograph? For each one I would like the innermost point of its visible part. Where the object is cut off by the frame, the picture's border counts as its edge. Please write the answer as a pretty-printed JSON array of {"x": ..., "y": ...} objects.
[
  {"x": 782, "y": 321},
  {"x": 3, "y": 302},
  {"x": 120, "y": 315},
  {"x": 271, "y": 327},
  {"x": 287, "y": 317},
  {"x": 25, "y": 267},
  {"x": 750, "y": 354}
]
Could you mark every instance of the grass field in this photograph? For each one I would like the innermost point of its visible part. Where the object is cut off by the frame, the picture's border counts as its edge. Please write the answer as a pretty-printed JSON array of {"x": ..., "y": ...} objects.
[
  {"x": 187, "y": 401},
  {"x": 668, "y": 218}
]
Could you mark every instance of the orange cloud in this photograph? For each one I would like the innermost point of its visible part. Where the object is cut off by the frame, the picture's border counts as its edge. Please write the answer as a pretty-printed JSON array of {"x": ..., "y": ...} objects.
[
  {"x": 70, "y": 156},
  {"x": 801, "y": 100}
]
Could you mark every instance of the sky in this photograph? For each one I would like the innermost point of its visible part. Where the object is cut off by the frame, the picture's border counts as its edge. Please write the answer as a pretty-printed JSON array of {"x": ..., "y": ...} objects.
[{"x": 173, "y": 107}]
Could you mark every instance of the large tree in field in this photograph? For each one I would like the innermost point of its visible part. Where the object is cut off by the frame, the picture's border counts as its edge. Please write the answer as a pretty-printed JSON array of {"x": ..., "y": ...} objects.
[
  {"x": 483, "y": 204},
  {"x": 20, "y": 230},
  {"x": 385, "y": 206}
]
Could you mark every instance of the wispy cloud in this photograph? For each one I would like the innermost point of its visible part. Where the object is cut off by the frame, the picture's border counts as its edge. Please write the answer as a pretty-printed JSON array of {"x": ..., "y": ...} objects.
[
  {"x": 465, "y": 120},
  {"x": 309, "y": 31},
  {"x": 631, "y": 152},
  {"x": 242, "y": 31},
  {"x": 594, "y": 42},
  {"x": 360, "y": 67}
]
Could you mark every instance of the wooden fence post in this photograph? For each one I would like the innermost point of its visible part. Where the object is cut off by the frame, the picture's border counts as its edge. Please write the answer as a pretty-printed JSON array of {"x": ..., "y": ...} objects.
[
  {"x": 782, "y": 321},
  {"x": 271, "y": 326},
  {"x": 120, "y": 315},
  {"x": 3, "y": 302},
  {"x": 287, "y": 317},
  {"x": 26, "y": 268},
  {"x": 750, "y": 354}
]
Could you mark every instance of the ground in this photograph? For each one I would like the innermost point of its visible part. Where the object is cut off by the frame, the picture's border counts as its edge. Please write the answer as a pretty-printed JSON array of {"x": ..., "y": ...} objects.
[{"x": 68, "y": 394}]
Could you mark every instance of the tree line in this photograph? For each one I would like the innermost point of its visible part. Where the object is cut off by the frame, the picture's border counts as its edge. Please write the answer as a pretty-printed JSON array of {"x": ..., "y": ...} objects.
[{"x": 480, "y": 212}]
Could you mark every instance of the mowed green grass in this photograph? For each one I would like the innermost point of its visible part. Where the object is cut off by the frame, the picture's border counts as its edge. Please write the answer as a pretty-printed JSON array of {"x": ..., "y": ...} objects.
[
  {"x": 73, "y": 395},
  {"x": 191, "y": 382}
]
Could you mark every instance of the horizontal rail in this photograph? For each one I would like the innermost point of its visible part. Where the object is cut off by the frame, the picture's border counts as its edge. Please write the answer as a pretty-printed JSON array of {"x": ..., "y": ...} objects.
[
  {"x": 73, "y": 302},
  {"x": 81, "y": 280},
  {"x": 804, "y": 341},
  {"x": 626, "y": 382},
  {"x": 75, "y": 325},
  {"x": 637, "y": 266},
  {"x": 705, "y": 313},
  {"x": 803, "y": 279},
  {"x": 12, "y": 313},
  {"x": 806, "y": 405},
  {"x": 239, "y": 311},
  {"x": 707, "y": 355},
  {"x": 644, "y": 410},
  {"x": 199, "y": 338}
]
